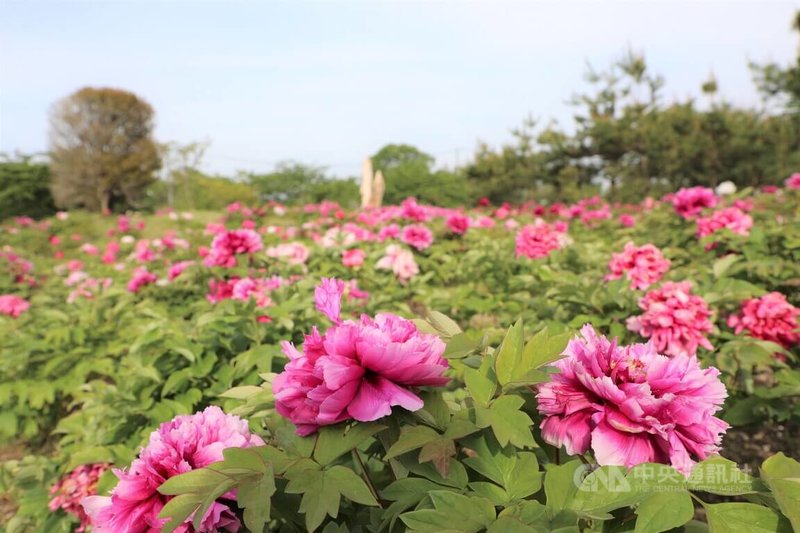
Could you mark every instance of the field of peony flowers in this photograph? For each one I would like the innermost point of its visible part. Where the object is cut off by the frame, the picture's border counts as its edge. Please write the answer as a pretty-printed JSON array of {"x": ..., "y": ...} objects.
[{"x": 533, "y": 368}]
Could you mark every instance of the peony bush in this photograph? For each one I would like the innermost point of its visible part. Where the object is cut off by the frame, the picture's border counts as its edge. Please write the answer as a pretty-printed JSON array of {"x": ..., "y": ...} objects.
[{"x": 313, "y": 369}]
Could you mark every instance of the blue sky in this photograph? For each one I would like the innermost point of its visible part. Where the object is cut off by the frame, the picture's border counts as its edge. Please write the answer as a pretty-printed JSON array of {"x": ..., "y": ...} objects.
[{"x": 329, "y": 82}]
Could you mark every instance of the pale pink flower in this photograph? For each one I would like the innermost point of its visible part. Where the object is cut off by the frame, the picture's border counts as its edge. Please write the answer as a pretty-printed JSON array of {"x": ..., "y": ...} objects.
[
  {"x": 89, "y": 249},
  {"x": 12, "y": 305},
  {"x": 357, "y": 370},
  {"x": 353, "y": 258},
  {"x": 690, "y": 202},
  {"x": 770, "y": 317},
  {"x": 643, "y": 266},
  {"x": 72, "y": 488},
  {"x": 185, "y": 443},
  {"x": 328, "y": 298},
  {"x": 392, "y": 231},
  {"x": 226, "y": 246},
  {"x": 731, "y": 218},
  {"x": 141, "y": 277},
  {"x": 458, "y": 223},
  {"x": 675, "y": 320},
  {"x": 417, "y": 236},
  {"x": 294, "y": 253},
  {"x": 537, "y": 240},
  {"x": 631, "y": 405},
  {"x": 793, "y": 181},
  {"x": 400, "y": 261}
]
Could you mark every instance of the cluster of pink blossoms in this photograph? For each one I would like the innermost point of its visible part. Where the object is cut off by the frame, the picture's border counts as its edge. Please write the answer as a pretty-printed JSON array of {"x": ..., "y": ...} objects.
[
  {"x": 643, "y": 266},
  {"x": 458, "y": 223},
  {"x": 294, "y": 253},
  {"x": 16, "y": 267},
  {"x": 400, "y": 261},
  {"x": 71, "y": 489},
  {"x": 631, "y": 405},
  {"x": 356, "y": 370},
  {"x": 227, "y": 245},
  {"x": 185, "y": 443},
  {"x": 793, "y": 181},
  {"x": 690, "y": 202},
  {"x": 13, "y": 305},
  {"x": 141, "y": 278},
  {"x": 417, "y": 236},
  {"x": 731, "y": 218},
  {"x": 769, "y": 317},
  {"x": 537, "y": 240},
  {"x": 675, "y": 320}
]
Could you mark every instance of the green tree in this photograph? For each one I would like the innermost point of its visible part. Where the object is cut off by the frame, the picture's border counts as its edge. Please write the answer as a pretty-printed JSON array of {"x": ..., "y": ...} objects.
[
  {"x": 102, "y": 149},
  {"x": 290, "y": 182},
  {"x": 25, "y": 187}
]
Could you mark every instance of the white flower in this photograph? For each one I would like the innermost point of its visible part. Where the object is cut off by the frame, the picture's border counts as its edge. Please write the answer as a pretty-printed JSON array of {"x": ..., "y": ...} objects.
[{"x": 725, "y": 188}]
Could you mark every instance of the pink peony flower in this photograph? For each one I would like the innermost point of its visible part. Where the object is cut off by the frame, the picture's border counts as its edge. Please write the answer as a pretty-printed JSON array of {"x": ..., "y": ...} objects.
[
  {"x": 643, "y": 266},
  {"x": 353, "y": 258},
  {"x": 400, "y": 261},
  {"x": 356, "y": 370},
  {"x": 537, "y": 240},
  {"x": 793, "y": 181},
  {"x": 627, "y": 221},
  {"x": 392, "y": 231},
  {"x": 71, "y": 489},
  {"x": 178, "y": 268},
  {"x": 141, "y": 277},
  {"x": 220, "y": 289},
  {"x": 731, "y": 218},
  {"x": 417, "y": 236},
  {"x": 675, "y": 320},
  {"x": 294, "y": 253},
  {"x": 631, "y": 405},
  {"x": 769, "y": 317},
  {"x": 690, "y": 202},
  {"x": 185, "y": 443},
  {"x": 12, "y": 305},
  {"x": 328, "y": 298},
  {"x": 458, "y": 223},
  {"x": 227, "y": 245},
  {"x": 89, "y": 249}
]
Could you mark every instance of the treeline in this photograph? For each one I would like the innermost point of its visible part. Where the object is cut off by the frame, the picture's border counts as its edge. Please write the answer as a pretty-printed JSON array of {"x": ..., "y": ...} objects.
[{"x": 626, "y": 142}]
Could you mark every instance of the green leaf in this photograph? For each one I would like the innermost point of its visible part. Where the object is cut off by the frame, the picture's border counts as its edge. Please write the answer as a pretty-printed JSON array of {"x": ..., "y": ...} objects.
[
  {"x": 718, "y": 475},
  {"x": 560, "y": 486},
  {"x": 350, "y": 485},
  {"x": 438, "y": 453},
  {"x": 411, "y": 438},
  {"x": 320, "y": 497},
  {"x": 443, "y": 324},
  {"x": 481, "y": 383},
  {"x": 335, "y": 441},
  {"x": 604, "y": 490},
  {"x": 464, "y": 344},
  {"x": 722, "y": 264},
  {"x": 664, "y": 510},
  {"x": 451, "y": 512},
  {"x": 254, "y": 496},
  {"x": 516, "y": 472},
  {"x": 507, "y": 421},
  {"x": 544, "y": 349},
  {"x": 782, "y": 475},
  {"x": 508, "y": 354},
  {"x": 744, "y": 518}
]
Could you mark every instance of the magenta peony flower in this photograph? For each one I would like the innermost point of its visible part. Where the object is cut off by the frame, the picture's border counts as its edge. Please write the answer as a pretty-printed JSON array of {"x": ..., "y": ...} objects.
[
  {"x": 141, "y": 277},
  {"x": 417, "y": 236},
  {"x": 185, "y": 443},
  {"x": 731, "y": 218},
  {"x": 643, "y": 266},
  {"x": 674, "y": 320},
  {"x": 690, "y": 202},
  {"x": 356, "y": 370},
  {"x": 631, "y": 405},
  {"x": 627, "y": 221},
  {"x": 12, "y": 305},
  {"x": 458, "y": 223},
  {"x": 228, "y": 244},
  {"x": 176, "y": 269},
  {"x": 793, "y": 181},
  {"x": 537, "y": 240},
  {"x": 353, "y": 258},
  {"x": 770, "y": 317},
  {"x": 71, "y": 489}
]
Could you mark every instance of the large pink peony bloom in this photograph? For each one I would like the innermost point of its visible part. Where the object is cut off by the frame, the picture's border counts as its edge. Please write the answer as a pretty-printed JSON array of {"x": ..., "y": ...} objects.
[
  {"x": 141, "y": 277},
  {"x": 731, "y": 218},
  {"x": 417, "y": 236},
  {"x": 675, "y": 320},
  {"x": 770, "y": 317},
  {"x": 537, "y": 240},
  {"x": 793, "y": 181},
  {"x": 690, "y": 202},
  {"x": 227, "y": 245},
  {"x": 356, "y": 370},
  {"x": 643, "y": 265},
  {"x": 12, "y": 305},
  {"x": 353, "y": 258},
  {"x": 185, "y": 443},
  {"x": 458, "y": 223},
  {"x": 71, "y": 489},
  {"x": 631, "y": 405}
]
